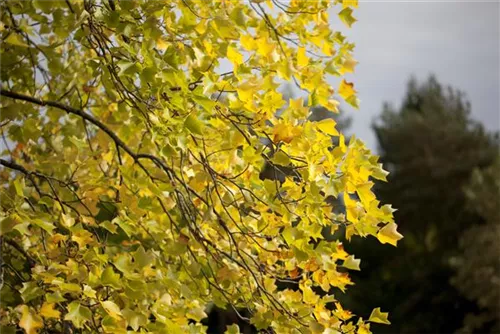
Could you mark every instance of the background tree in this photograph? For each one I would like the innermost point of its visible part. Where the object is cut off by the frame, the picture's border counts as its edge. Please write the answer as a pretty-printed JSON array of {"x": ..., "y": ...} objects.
[
  {"x": 431, "y": 147},
  {"x": 131, "y": 196},
  {"x": 478, "y": 265}
]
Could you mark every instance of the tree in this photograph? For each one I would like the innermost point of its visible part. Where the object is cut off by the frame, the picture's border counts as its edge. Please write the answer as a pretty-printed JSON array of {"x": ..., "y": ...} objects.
[
  {"x": 131, "y": 197},
  {"x": 430, "y": 146},
  {"x": 478, "y": 265}
]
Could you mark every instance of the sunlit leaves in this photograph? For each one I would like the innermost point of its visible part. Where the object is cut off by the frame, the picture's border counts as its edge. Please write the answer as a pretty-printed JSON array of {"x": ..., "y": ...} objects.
[
  {"x": 328, "y": 127},
  {"x": 47, "y": 311},
  {"x": 30, "y": 321},
  {"x": 379, "y": 316},
  {"x": 302, "y": 59},
  {"x": 346, "y": 90},
  {"x": 234, "y": 56},
  {"x": 389, "y": 234},
  {"x": 172, "y": 173}
]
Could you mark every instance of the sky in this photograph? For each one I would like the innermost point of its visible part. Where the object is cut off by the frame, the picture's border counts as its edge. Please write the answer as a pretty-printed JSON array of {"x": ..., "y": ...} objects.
[{"x": 458, "y": 41}]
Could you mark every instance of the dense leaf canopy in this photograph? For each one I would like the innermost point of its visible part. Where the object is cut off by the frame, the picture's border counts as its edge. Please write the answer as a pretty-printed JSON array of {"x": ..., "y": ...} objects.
[
  {"x": 131, "y": 197},
  {"x": 432, "y": 146}
]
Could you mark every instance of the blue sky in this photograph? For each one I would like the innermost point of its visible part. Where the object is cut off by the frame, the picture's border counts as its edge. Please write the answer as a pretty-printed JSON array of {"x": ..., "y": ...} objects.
[{"x": 457, "y": 41}]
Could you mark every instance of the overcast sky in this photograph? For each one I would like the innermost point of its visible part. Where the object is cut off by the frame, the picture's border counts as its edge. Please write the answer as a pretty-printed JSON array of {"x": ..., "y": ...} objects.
[{"x": 458, "y": 41}]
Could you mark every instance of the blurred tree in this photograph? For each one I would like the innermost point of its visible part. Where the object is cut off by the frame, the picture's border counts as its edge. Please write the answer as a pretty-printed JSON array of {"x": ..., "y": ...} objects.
[
  {"x": 430, "y": 146},
  {"x": 478, "y": 267}
]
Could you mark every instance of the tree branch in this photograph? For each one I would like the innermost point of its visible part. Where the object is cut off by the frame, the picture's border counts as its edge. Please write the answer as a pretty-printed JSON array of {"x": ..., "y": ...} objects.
[
  {"x": 70, "y": 110},
  {"x": 17, "y": 247}
]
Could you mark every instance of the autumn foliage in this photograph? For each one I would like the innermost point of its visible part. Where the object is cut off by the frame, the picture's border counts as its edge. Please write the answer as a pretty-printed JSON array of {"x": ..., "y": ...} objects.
[{"x": 131, "y": 198}]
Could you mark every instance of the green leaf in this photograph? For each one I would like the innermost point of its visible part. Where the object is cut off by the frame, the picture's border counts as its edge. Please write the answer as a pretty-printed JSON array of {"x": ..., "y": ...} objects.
[
  {"x": 125, "y": 66},
  {"x": 232, "y": 329},
  {"x": 15, "y": 39},
  {"x": 112, "y": 309},
  {"x": 55, "y": 297},
  {"x": 19, "y": 186},
  {"x": 7, "y": 329},
  {"x": 289, "y": 234},
  {"x": 78, "y": 314},
  {"x": 168, "y": 150},
  {"x": 7, "y": 224},
  {"x": 134, "y": 319},
  {"x": 47, "y": 226},
  {"x": 193, "y": 124},
  {"x": 30, "y": 291},
  {"x": 299, "y": 254},
  {"x": 346, "y": 16},
  {"x": 109, "y": 226},
  {"x": 44, "y": 5},
  {"x": 280, "y": 158},
  {"x": 110, "y": 278},
  {"x": 142, "y": 258},
  {"x": 206, "y": 103}
]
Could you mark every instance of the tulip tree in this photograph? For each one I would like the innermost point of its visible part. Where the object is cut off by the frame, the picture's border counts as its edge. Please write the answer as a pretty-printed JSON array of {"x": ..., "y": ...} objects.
[{"x": 134, "y": 133}]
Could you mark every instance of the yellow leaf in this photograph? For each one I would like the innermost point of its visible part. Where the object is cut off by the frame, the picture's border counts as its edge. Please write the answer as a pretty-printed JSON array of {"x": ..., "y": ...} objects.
[
  {"x": 271, "y": 102},
  {"x": 248, "y": 42},
  {"x": 232, "y": 329},
  {"x": 389, "y": 234},
  {"x": 328, "y": 127},
  {"x": 161, "y": 44},
  {"x": 284, "y": 69},
  {"x": 346, "y": 89},
  {"x": 264, "y": 48},
  {"x": 297, "y": 108},
  {"x": 365, "y": 194},
  {"x": 348, "y": 65},
  {"x": 234, "y": 56},
  {"x": 67, "y": 220},
  {"x": 346, "y": 16},
  {"x": 246, "y": 91},
  {"x": 285, "y": 132},
  {"x": 196, "y": 312},
  {"x": 47, "y": 311},
  {"x": 15, "y": 39},
  {"x": 89, "y": 292},
  {"x": 112, "y": 309},
  {"x": 201, "y": 27},
  {"x": 302, "y": 59},
  {"x": 378, "y": 316},
  {"x": 351, "y": 3},
  {"x": 309, "y": 296},
  {"x": 30, "y": 321},
  {"x": 82, "y": 238},
  {"x": 352, "y": 263},
  {"x": 341, "y": 313}
]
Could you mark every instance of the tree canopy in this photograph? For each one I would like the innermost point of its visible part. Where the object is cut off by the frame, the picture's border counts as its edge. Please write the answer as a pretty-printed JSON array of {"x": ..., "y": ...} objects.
[
  {"x": 478, "y": 264},
  {"x": 131, "y": 198},
  {"x": 432, "y": 147}
]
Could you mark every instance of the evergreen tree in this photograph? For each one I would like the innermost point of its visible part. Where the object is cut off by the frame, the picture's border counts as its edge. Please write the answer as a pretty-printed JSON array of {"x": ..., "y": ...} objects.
[
  {"x": 478, "y": 267},
  {"x": 430, "y": 146}
]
